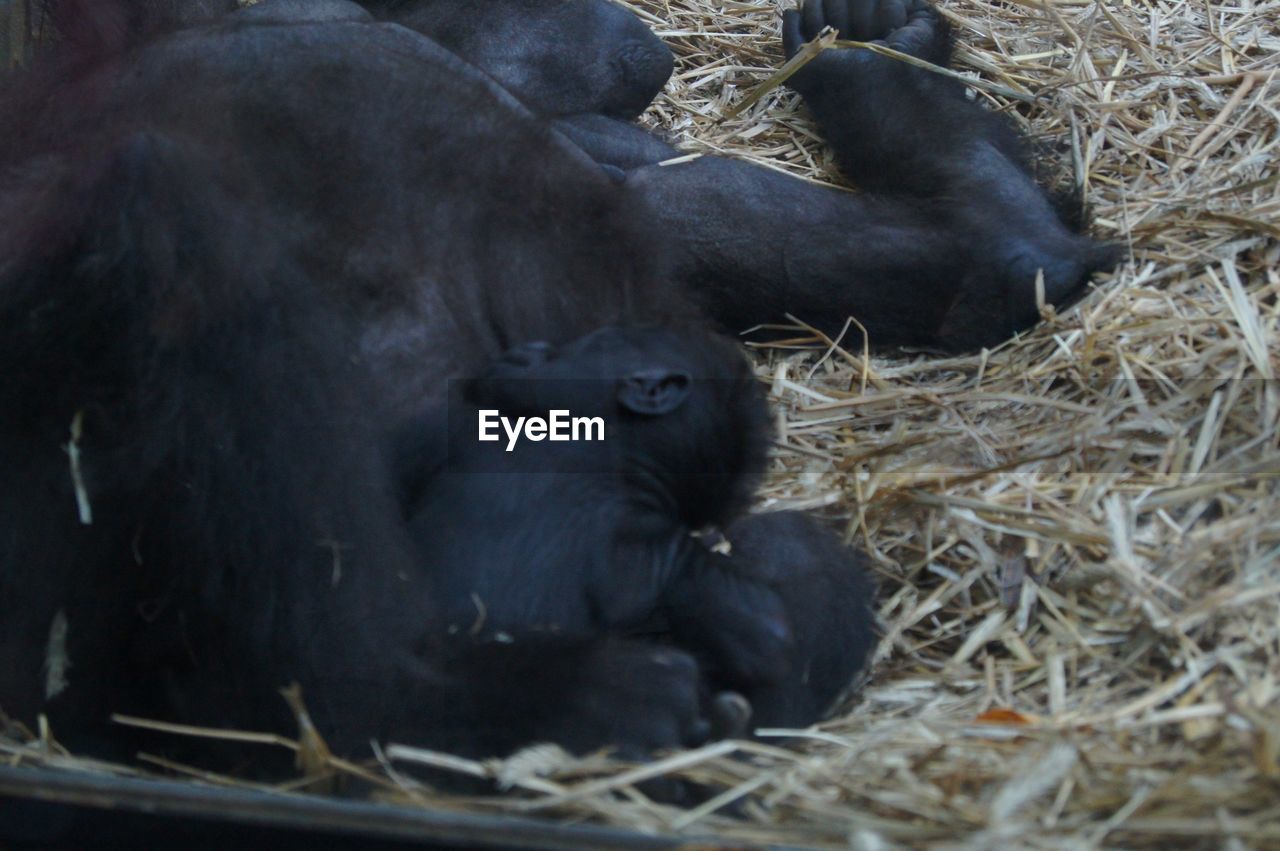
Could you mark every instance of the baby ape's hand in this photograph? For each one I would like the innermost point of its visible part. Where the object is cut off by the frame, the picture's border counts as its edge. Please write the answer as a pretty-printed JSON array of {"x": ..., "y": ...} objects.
[{"x": 640, "y": 696}]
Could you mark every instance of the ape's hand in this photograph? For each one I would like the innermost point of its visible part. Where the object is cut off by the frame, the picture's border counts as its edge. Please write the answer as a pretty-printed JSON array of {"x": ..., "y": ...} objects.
[
  {"x": 639, "y": 696},
  {"x": 732, "y": 619}
]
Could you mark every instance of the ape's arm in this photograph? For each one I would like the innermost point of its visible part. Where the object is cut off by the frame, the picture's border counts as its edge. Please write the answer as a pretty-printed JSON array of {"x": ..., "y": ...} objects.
[
  {"x": 784, "y": 618},
  {"x": 827, "y": 592}
]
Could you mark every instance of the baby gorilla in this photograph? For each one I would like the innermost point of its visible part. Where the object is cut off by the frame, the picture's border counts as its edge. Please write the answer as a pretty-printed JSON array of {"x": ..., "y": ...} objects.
[
  {"x": 587, "y": 536},
  {"x": 590, "y": 537}
]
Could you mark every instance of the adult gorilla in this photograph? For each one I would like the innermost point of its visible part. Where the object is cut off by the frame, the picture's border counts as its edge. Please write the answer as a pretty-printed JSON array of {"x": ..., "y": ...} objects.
[{"x": 234, "y": 255}]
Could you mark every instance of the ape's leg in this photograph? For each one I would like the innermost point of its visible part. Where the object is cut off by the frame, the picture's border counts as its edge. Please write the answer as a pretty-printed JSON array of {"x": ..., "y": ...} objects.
[
  {"x": 559, "y": 58},
  {"x": 582, "y": 694},
  {"x": 300, "y": 11},
  {"x": 752, "y": 245},
  {"x": 894, "y": 127},
  {"x": 900, "y": 129},
  {"x": 947, "y": 251}
]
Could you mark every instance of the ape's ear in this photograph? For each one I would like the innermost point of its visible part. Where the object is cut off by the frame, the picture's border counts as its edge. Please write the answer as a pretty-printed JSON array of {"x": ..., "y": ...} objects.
[{"x": 653, "y": 392}]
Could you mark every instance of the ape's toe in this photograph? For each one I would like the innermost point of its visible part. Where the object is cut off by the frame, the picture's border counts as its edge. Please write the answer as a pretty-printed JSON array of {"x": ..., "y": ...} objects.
[{"x": 910, "y": 26}]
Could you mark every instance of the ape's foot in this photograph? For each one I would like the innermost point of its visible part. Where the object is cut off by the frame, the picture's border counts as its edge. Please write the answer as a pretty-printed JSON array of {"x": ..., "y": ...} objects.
[
  {"x": 581, "y": 693},
  {"x": 910, "y": 26},
  {"x": 560, "y": 58},
  {"x": 851, "y": 91}
]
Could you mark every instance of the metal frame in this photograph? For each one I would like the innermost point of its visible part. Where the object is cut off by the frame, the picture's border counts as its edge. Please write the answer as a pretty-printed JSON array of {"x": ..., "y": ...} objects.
[{"x": 97, "y": 796}]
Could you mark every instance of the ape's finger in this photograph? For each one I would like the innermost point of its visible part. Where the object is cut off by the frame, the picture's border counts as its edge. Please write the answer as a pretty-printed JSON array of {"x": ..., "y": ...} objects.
[
  {"x": 862, "y": 20},
  {"x": 890, "y": 15},
  {"x": 699, "y": 733},
  {"x": 792, "y": 37},
  {"x": 730, "y": 716}
]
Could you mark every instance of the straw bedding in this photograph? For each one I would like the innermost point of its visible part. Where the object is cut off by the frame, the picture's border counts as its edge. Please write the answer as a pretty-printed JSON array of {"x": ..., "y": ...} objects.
[{"x": 1077, "y": 535}]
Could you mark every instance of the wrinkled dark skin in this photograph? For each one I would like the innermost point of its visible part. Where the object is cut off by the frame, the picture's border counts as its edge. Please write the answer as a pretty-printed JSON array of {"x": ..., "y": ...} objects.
[{"x": 238, "y": 255}]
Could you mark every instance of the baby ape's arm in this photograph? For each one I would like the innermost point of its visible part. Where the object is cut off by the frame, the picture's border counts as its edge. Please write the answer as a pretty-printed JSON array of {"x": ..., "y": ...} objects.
[
  {"x": 732, "y": 619},
  {"x": 827, "y": 592}
]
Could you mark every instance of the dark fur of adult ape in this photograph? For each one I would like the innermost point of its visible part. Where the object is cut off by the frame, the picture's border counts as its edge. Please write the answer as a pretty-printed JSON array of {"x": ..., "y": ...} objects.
[
  {"x": 235, "y": 361},
  {"x": 236, "y": 255}
]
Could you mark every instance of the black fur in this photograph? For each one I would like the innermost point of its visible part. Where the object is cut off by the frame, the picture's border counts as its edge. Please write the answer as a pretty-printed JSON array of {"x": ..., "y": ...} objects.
[
  {"x": 584, "y": 538},
  {"x": 597, "y": 538},
  {"x": 875, "y": 110},
  {"x": 558, "y": 57},
  {"x": 237, "y": 255},
  {"x": 826, "y": 589},
  {"x": 237, "y": 330}
]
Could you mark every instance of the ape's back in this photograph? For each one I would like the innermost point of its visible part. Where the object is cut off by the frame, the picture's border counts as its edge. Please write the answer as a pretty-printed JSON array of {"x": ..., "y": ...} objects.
[
  {"x": 418, "y": 195},
  {"x": 232, "y": 255}
]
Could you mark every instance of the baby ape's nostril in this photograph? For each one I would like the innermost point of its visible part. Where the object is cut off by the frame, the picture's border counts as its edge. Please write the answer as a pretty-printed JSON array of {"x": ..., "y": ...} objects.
[{"x": 529, "y": 354}]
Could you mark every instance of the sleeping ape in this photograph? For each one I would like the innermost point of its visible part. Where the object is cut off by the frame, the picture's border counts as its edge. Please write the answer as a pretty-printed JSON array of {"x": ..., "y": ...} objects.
[
  {"x": 600, "y": 537},
  {"x": 586, "y": 537},
  {"x": 234, "y": 257}
]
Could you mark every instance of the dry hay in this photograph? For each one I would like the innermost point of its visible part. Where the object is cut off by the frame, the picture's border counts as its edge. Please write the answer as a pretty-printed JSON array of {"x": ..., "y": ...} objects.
[{"x": 1077, "y": 534}]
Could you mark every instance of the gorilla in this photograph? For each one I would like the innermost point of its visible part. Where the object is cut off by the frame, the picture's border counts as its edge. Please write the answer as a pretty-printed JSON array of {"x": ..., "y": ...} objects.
[
  {"x": 243, "y": 250},
  {"x": 826, "y": 590},
  {"x": 683, "y": 441},
  {"x": 593, "y": 537},
  {"x": 597, "y": 538}
]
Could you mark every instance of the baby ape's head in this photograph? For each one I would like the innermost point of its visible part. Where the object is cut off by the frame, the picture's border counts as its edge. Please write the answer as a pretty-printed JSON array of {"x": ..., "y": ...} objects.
[{"x": 683, "y": 414}]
